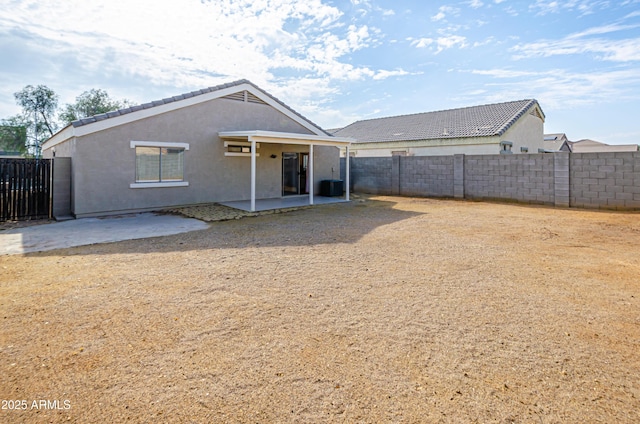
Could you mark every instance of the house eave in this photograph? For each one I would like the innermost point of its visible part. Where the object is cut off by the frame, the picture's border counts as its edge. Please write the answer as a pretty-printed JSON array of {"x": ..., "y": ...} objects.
[
  {"x": 260, "y": 136},
  {"x": 61, "y": 136},
  {"x": 439, "y": 142}
]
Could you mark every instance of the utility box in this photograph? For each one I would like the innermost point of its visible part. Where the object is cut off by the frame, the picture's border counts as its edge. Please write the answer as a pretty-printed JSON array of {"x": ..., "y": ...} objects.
[{"x": 331, "y": 188}]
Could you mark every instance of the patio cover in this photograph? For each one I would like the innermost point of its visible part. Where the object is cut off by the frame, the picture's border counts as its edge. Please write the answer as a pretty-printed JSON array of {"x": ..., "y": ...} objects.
[{"x": 259, "y": 136}]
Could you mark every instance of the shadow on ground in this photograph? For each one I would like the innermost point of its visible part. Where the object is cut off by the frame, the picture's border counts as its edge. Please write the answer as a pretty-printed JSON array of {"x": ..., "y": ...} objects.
[{"x": 318, "y": 225}]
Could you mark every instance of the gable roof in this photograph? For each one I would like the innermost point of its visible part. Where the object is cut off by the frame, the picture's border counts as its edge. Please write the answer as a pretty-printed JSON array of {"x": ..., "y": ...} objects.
[
  {"x": 474, "y": 121},
  {"x": 238, "y": 90},
  {"x": 554, "y": 142},
  {"x": 590, "y": 146},
  {"x": 555, "y": 137}
]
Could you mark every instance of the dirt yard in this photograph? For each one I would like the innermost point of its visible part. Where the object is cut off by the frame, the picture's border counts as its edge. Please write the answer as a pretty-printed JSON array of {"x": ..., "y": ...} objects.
[{"x": 386, "y": 309}]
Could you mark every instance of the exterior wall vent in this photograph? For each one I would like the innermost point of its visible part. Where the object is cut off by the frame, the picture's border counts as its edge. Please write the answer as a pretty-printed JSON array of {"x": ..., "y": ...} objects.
[
  {"x": 505, "y": 148},
  {"x": 253, "y": 99},
  {"x": 244, "y": 96}
]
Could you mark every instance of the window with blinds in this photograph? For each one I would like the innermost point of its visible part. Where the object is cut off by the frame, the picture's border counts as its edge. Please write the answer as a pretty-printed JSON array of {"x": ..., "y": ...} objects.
[{"x": 159, "y": 164}]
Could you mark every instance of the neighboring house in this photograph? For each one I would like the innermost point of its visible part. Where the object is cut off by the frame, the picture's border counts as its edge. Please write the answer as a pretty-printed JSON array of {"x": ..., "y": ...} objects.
[
  {"x": 511, "y": 127},
  {"x": 591, "y": 146},
  {"x": 554, "y": 142},
  {"x": 224, "y": 143}
]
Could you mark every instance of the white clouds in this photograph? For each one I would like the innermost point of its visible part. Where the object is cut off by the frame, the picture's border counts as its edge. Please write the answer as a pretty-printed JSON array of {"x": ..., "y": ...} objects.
[
  {"x": 451, "y": 41},
  {"x": 605, "y": 49},
  {"x": 422, "y": 42},
  {"x": 193, "y": 44},
  {"x": 441, "y": 43},
  {"x": 558, "y": 89},
  {"x": 320, "y": 55},
  {"x": 380, "y": 75},
  {"x": 367, "y": 6},
  {"x": 439, "y": 16},
  {"x": 443, "y": 11},
  {"x": 585, "y": 7}
]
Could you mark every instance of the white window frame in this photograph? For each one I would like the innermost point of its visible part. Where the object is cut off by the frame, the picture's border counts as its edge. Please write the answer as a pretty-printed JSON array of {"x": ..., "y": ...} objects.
[
  {"x": 159, "y": 144},
  {"x": 240, "y": 144}
]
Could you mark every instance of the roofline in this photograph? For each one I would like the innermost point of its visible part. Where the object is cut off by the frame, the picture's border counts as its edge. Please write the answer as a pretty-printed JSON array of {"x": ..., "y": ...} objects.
[
  {"x": 444, "y": 110},
  {"x": 506, "y": 125},
  {"x": 124, "y": 116},
  {"x": 427, "y": 142},
  {"x": 285, "y": 138}
]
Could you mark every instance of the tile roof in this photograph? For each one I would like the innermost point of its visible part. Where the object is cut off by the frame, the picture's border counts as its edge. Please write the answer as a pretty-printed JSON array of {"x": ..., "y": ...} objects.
[
  {"x": 587, "y": 146},
  {"x": 475, "y": 121},
  {"x": 120, "y": 112}
]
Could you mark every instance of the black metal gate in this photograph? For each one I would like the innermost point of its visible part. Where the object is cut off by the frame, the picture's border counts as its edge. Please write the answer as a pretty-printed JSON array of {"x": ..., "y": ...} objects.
[{"x": 25, "y": 189}]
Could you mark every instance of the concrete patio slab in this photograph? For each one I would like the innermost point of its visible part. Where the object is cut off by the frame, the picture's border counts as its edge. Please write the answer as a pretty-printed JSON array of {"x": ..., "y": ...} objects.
[
  {"x": 282, "y": 202},
  {"x": 87, "y": 231}
]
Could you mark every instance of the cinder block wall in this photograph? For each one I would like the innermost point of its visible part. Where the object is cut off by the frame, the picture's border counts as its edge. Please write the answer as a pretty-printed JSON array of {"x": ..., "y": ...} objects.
[
  {"x": 605, "y": 180},
  {"x": 523, "y": 178},
  {"x": 426, "y": 176},
  {"x": 371, "y": 175},
  {"x": 584, "y": 180}
]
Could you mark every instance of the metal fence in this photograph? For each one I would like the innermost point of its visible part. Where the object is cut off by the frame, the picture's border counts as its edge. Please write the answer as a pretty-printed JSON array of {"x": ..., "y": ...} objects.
[{"x": 25, "y": 189}]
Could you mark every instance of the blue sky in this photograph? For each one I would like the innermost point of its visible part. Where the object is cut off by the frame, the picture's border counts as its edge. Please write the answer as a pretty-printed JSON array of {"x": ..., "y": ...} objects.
[{"x": 337, "y": 61}]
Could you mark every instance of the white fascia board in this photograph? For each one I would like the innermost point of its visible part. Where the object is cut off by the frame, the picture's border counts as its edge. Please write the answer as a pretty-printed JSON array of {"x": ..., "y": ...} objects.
[
  {"x": 438, "y": 142},
  {"x": 285, "y": 138},
  {"x": 157, "y": 110},
  {"x": 60, "y": 137},
  {"x": 540, "y": 111}
]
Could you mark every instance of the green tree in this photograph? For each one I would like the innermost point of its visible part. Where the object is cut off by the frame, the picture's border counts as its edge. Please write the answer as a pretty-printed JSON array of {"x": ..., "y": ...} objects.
[
  {"x": 89, "y": 103},
  {"x": 39, "y": 105},
  {"x": 13, "y": 135}
]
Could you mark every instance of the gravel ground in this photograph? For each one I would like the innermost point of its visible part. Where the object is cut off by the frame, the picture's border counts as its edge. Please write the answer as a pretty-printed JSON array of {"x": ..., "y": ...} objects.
[{"x": 385, "y": 309}]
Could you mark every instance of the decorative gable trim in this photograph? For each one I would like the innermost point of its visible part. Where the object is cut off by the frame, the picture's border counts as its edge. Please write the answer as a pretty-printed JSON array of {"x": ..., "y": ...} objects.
[{"x": 536, "y": 112}]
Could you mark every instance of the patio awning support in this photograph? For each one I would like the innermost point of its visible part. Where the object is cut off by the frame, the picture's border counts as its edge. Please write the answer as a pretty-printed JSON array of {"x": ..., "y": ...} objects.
[
  {"x": 253, "y": 175},
  {"x": 310, "y": 165},
  {"x": 347, "y": 171},
  {"x": 253, "y": 137}
]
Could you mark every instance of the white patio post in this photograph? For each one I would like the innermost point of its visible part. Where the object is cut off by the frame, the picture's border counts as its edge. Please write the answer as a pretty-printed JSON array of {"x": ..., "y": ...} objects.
[
  {"x": 347, "y": 172},
  {"x": 310, "y": 165},
  {"x": 253, "y": 175}
]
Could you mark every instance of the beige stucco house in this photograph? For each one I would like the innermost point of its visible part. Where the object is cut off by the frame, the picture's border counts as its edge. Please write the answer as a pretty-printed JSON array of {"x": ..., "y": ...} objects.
[
  {"x": 507, "y": 128},
  {"x": 592, "y": 146},
  {"x": 225, "y": 143},
  {"x": 554, "y": 142},
  {"x": 560, "y": 143}
]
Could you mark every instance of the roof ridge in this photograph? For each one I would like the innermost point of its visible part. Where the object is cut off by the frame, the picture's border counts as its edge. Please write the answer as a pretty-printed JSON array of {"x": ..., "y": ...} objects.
[
  {"x": 443, "y": 110},
  {"x": 485, "y": 120},
  {"x": 154, "y": 103}
]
